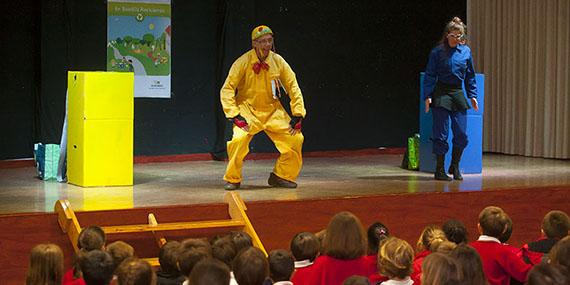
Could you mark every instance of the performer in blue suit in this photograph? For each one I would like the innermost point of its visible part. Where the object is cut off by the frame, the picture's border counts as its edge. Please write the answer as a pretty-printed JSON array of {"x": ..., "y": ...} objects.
[{"x": 450, "y": 65}]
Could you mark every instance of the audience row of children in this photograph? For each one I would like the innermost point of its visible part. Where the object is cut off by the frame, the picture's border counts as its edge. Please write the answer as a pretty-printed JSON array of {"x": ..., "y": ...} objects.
[{"x": 341, "y": 254}]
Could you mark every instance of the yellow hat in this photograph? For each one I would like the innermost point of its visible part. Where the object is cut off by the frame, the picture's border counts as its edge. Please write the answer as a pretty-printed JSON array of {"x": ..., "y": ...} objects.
[{"x": 260, "y": 31}]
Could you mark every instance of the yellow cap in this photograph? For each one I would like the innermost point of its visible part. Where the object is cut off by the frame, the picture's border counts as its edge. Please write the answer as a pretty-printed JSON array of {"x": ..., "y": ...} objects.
[{"x": 260, "y": 31}]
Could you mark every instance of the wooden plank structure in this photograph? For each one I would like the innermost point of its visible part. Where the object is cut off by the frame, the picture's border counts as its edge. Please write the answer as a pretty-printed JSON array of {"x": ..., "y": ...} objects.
[{"x": 236, "y": 210}]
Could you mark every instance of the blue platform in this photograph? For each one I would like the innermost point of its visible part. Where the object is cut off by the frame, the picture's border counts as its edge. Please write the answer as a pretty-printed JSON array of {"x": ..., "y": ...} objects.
[{"x": 472, "y": 159}]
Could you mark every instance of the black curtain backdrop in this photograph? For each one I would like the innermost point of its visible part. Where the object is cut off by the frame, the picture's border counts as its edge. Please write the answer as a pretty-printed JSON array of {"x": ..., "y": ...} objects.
[{"x": 357, "y": 63}]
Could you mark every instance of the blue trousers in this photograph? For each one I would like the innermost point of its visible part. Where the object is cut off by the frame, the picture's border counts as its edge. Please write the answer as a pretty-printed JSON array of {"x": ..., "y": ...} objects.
[{"x": 440, "y": 129}]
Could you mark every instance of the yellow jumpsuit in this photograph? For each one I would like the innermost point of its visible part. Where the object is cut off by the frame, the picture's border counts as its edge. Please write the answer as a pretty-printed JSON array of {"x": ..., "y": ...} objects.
[{"x": 249, "y": 95}]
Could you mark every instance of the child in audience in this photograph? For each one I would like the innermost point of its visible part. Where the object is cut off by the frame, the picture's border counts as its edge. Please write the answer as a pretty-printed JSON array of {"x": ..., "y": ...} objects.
[
  {"x": 469, "y": 265},
  {"x": 189, "y": 257},
  {"x": 241, "y": 240},
  {"x": 305, "y": 248},
  {"x": 210, "y": 272},
  {"x": 96, "y": 267},
  {"x": 395, "y": 261},
  {"x": 223, "y": 249},
  {"x": 281, "y": 266},
  {"x": 560, "y": 253},
  {"x": 500, "y": 263},
  {"x": 455, "y": 231},
  {"x": 356, "y": 280},
  {"x": 120, "y": 251},
  {"x": 377, "y": 233},
  {"x": 555, "y": 226},
  {"x": 46, "y": 265},
  {"x": 250, "y": 267},
  {"x": 548, "y": 274},
  {"x": 440, "y": 269},
  {"x": 321, "y": 238},
  {"x": 90, "y": 238},
  {"x": 345, "y": 247},
  {"x": 429, "y": 239},
  {"x": 193, "y": 243},
  {"x": 134, "y": 271},
  {"x": 168, "y": 274}
]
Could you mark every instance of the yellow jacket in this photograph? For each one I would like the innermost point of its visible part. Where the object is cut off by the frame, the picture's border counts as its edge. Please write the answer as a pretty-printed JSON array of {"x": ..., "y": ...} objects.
[{"x": 254, "y": 93}]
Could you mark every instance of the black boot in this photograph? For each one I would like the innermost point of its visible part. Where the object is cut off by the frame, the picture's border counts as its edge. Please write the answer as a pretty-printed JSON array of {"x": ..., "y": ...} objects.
[
  {"x": 454, "y": 167},
  {"x": 440, "y": 169}
]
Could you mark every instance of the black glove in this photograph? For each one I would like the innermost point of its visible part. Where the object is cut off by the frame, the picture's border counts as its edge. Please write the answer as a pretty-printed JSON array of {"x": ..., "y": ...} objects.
[{"x": 296, "y": 123}]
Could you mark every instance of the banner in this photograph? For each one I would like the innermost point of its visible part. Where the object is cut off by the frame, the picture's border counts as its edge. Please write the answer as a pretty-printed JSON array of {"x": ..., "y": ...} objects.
[{"x": 138, "y": 40}]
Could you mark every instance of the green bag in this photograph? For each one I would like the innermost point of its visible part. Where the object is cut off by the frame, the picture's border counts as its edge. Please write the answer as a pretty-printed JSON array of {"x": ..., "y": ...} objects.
[
  {"x": 47, "y": 159},
  {"x": 411, "y": 159}
]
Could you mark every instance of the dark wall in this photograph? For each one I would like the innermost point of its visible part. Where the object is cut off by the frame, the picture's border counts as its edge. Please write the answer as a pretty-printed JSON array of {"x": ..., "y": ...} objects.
[{"x": 357, "y": 63}]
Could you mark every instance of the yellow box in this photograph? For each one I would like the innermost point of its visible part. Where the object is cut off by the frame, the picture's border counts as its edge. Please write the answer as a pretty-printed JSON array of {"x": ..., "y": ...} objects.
[{"x": 100, "y": 128}]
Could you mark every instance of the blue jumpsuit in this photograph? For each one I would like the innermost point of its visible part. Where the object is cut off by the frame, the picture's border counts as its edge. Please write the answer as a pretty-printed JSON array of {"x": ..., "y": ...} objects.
[{"x": 447, "y": 69}]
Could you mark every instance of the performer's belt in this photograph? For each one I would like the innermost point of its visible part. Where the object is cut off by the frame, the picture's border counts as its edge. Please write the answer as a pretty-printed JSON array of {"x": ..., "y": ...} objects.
[{"x": 450, "y": 97}]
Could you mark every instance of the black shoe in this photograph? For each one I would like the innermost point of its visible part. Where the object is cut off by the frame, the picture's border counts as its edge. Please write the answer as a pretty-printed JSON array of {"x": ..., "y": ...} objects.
[
  {"x": 440, "y": 169},
  {"x": 231, "y": 186},
  {"x": 454, "y": 170},
  {"x": 454, "y": 167},
  {"x": 277, "y": 181}
]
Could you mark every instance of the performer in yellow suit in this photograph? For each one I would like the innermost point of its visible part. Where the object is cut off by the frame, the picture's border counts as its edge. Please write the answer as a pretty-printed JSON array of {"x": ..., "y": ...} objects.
[{"x": 250, "y": 99}]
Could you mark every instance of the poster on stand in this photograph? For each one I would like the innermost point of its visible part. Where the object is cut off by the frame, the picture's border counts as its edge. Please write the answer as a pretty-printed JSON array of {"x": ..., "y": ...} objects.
[{"x": 138, "y": 40}]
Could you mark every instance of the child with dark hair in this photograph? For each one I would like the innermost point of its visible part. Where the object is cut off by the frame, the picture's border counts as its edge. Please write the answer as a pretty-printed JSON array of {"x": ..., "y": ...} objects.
[
  {"x": 96, "y": 267},
  {"x": 500, "y": 263},
  {"x": 469, "y": 265},
  {"x": 119, "y": 251},
  {"x": 377, "y": 233},
  {"x": 188, "y": 258},
  {"x": 250, "y": 267},
  {"x": 193, "y": 243},
  {"x": 560, "y": 253},
  {"x": 90, "y": 238},
  {"x": 455, "y": 231},
  {"x": 281, "y": 266},
  {"x": 168, "y": 274},
  {"x": 305, "y": 248},
  {"x": 548, "y": 274},
  {"x": 241, "y": 240},
  {"x": 223, "y": 249},
  {"x": 555, "y": 226},
  {"x": 46, "y": 265},
  {"x": 440, "y": 269},
  {"x": 210, "y": 272},
  {"x": 395, "y": 259},
  {"x": 345, "y": 247},
  {"x": 134, "y": 271}
]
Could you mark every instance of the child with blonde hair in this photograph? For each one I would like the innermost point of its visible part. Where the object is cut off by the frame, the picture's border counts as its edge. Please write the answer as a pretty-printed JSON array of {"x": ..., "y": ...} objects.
[
  {"x": 395, "y": 258},
  {"x": 430, "y": 239}
]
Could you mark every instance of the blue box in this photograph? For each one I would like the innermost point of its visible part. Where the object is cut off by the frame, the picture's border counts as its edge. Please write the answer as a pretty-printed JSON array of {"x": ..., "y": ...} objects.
[{"x": 472, "y": 159}]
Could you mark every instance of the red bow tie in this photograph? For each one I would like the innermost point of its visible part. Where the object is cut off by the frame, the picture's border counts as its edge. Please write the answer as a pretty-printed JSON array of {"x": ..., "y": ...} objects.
[{"x": 259, "y": 65}]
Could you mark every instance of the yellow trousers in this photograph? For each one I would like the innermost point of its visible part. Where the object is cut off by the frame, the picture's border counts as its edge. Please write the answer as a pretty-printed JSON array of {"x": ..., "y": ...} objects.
[{"x": 275, "y": 123}]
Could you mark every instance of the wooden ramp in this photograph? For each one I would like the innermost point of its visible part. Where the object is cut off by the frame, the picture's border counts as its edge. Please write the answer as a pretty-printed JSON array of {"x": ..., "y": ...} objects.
[{"x": 236, "y": 210}]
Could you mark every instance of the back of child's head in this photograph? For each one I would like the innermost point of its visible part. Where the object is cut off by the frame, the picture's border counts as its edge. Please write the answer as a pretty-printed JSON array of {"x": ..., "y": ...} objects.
[
  {"x": 241, "y": 240},
  {"x": 321, "y": 238},
  {"x": 556, "y": 224},
  {"x": 560, "y": 253},
  {"x": 46, "y": 265},
  {"x": 188, "y": 258},
  {"x": 168, "y": 257},
  {"x": 377, "y": 232},
  {"x": 91, "y": 238},
  {"x": 192, "y": 243},
  {"x": 345, "y": 238},
  {"x": 439, "y": 268},
  {"x": 455, "y": 231},
  {"x": 356, "y": 280},
  {"x": 120, "y": 251},
  {"x": 97, "y": 267},
  {"x": 395, "y": 258},
  {"x": 134, "y": 271},
  {"x": 281, "y": 265},
  {"x": 250, "y": 267},
  {"x": 469, "y": 264},
  {"x": 305, "y": 245},
  {"x": 430, "y": 237},
  {"x": 444, "y": 247},
  {"x": 210, "y": 272},
  {"x": 223, "y": 249},
  {"x": 493, "y": 221},
  {"x": 548, "y": 274},
  {"x": 506, "y": 235}
]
